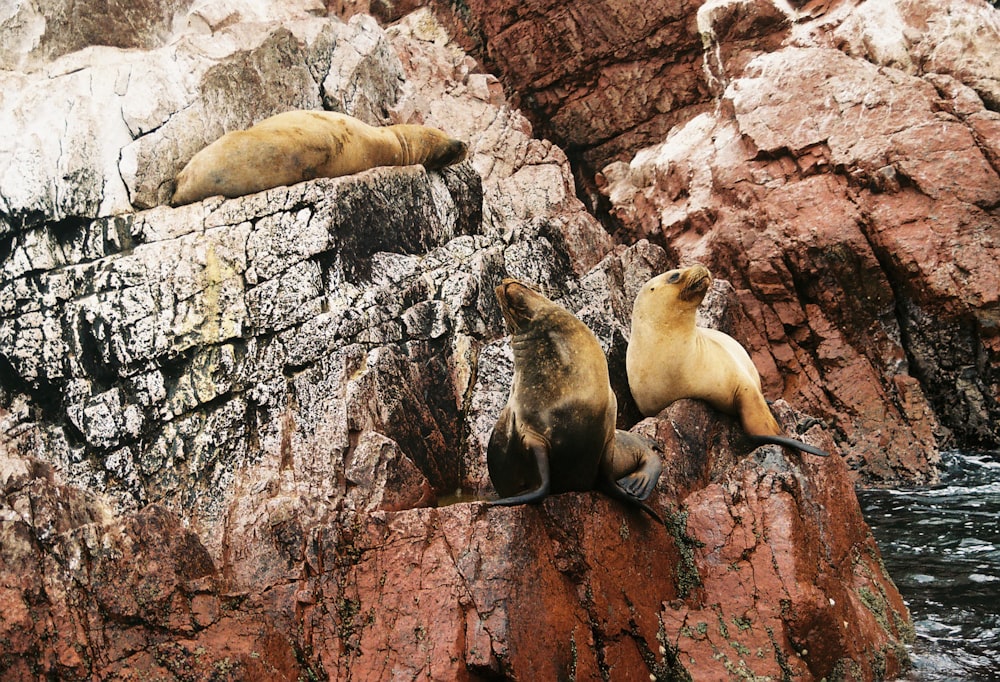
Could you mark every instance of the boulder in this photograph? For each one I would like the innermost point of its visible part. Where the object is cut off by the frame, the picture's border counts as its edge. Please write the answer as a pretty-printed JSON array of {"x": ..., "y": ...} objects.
[
  {"x": 844, "y": 243},
  {"x": 105, "y": 130},
  {"x": 764, "y": 567},
  {"x": 835, "y": 131},
  {"x": 225, "y": 426}
]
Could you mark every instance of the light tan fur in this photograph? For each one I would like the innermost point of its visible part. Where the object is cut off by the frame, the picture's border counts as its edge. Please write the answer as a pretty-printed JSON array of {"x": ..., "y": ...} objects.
[
  {"x": 301, "y": 145},
  {"x": 670, "y": 358}
]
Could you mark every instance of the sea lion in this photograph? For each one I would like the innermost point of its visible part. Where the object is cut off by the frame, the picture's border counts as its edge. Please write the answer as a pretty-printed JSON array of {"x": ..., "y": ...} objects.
[
  {"x": 301, "y": 145},
  {"x": 669, "y": 357},
  {"x": 557, "y": 431}
]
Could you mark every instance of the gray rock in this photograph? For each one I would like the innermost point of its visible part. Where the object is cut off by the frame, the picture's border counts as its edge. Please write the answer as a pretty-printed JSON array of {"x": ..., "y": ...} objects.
[
  {"x": 104, "y": 131},
  {"x": 336, "y": 342}
]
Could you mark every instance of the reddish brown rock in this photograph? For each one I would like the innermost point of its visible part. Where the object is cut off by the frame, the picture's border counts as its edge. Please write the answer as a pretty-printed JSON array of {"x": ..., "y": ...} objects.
[
  {"x": 771, "y": 575},
  {"x": 251, "y": 396},
  {"x": 87, "y": 595},
  {"x": 835, "y": 161},
  {"x": 867, "y": 262},
  {"x": 765, "y": 568},
  {"x": 597, "y": 77}
]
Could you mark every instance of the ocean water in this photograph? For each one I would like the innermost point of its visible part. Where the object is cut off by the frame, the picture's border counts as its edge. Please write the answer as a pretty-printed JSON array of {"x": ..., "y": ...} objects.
[{"x": 941, "y": 546}]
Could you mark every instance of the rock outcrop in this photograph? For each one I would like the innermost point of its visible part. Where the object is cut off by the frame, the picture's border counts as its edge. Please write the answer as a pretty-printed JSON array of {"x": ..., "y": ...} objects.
[
  {"x": 836, "y": 161},
  {"x": 225, "y": 426},
  {"x": 578, "y": 587}
]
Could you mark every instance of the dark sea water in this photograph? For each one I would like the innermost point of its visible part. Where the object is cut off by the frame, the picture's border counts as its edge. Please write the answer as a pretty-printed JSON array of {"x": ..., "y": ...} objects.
[{"x": 942, "y": 548}]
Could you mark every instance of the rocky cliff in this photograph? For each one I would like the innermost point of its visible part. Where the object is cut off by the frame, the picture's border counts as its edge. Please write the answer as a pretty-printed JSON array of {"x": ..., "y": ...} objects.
[
  {"x": 239, "y": 438},
  {"x": 836, "y": 161}
]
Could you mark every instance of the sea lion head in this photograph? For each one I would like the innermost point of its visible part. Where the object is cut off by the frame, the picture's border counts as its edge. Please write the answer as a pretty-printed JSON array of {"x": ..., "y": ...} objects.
[
  {"x": 447, "y": 153},
  {"x": 429, "y": 146},
  {"x": 520, "y": 304},
  {"x": 680, "y": 290}
]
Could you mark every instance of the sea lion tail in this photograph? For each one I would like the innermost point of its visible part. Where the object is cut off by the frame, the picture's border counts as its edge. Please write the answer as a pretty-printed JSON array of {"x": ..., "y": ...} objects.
[{"x": 788, "y": 443}]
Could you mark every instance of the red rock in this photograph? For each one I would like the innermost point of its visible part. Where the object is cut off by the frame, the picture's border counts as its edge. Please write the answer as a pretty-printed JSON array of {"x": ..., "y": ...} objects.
[
  {"x": 762, "y": 556},
  {"x": 845, "y": 274},
  {"x": 312, "y": 564},
  {"x": 798, "y": 96}
]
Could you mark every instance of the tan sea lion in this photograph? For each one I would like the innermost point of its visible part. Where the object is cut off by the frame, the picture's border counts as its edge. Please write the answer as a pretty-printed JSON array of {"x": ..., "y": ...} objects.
[
  {"x": 669, "y": 358},
  {"x": 557, "y": 431},
  {"x": 302, "y": 145}
]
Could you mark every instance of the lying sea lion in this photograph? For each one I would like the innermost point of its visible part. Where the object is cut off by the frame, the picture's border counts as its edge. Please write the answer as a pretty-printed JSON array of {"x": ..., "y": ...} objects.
[
  {"x": 669, "y": 357},
  {"x": 557, "y": 431},
  {"x": 302, "y": 145}
]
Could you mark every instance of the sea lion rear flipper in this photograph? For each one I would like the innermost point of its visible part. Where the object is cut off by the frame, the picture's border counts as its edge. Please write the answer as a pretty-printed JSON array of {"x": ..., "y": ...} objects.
[
  {"x": 541, "y": 452},
  {"x": 640, "y": 483},
  {"x": 637, "y": 484},
  {"x": 612, "y": 489},
  {"x": 788, "y": 443},
  {"x": 632, "y": 464}
]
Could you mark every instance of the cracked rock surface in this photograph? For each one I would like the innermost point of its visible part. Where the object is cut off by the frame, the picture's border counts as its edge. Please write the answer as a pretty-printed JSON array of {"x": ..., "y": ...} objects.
[
  {"x": 836, "y": 161},
  {"x": 245, "y": 439}
]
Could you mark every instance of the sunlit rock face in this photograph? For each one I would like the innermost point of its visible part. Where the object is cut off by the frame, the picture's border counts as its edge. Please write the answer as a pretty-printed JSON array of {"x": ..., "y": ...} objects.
[
  {"x": 836, "y": 161},
  {"x": 850, "y": 191},
  {"x": 225, "y": 426}
]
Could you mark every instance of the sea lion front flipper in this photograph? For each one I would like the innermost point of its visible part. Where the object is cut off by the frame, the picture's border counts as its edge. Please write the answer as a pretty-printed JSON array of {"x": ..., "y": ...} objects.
[
  {"x": 540, "y": 450},
  {"x": 788, "y": 443}
]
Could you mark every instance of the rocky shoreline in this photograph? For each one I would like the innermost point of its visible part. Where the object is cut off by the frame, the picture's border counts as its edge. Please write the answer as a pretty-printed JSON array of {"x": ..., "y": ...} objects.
[{"x": 225, "y": 428}]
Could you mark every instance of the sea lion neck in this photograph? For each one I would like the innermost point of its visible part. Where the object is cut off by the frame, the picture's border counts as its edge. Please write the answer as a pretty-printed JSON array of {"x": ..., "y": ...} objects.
[
  {"x": 543, "y": 330},
  {"x": 654, "y": 309}
]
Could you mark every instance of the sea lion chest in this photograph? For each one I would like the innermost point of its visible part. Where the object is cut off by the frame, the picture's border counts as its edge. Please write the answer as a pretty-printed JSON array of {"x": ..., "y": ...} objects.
[{"x": 561, "y": 393}]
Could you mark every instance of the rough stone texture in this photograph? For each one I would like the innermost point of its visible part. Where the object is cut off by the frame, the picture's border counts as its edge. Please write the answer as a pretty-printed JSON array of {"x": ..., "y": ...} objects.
[
  {"x": 107, "y": 130},
  {"x": 856, "y": 142},
  {"x": 872, "y": 258},
  {"x": 605, "y": 81},
  {"x": 596, "y": 76},
  {"x": 750, "y": 577},
  {"x": 223, "y": 424}
]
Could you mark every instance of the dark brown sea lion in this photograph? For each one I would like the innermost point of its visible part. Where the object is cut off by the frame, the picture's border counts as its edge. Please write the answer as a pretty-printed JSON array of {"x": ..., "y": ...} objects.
[
  {"x": 302, "y": 145},
  {"x": 557, "y": 431},
  {"x": 669, "y": 358}
]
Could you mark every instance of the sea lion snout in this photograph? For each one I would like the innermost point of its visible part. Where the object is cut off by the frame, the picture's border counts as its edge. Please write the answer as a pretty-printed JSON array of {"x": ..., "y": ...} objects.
[
  {"x": 695, "y": 282},
  {"x": 518, "y": 303},
  {"x": 683, "y": 284},
  {"x": 448, "y": 154},
  {"x": 431, "y": 147}
]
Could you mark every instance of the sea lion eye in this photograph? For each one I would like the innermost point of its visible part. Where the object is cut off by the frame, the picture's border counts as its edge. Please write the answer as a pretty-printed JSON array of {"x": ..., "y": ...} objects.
[{"x": 674, "y": 276}]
